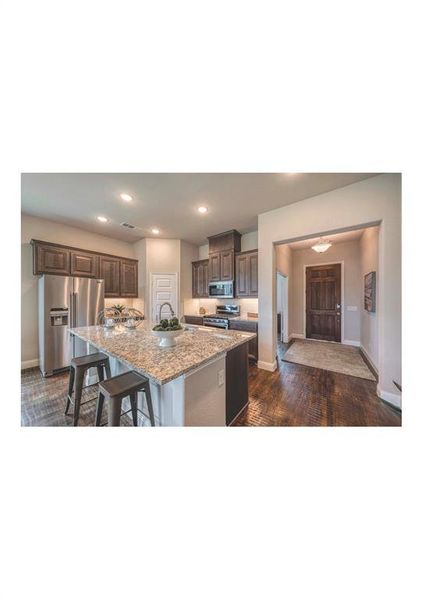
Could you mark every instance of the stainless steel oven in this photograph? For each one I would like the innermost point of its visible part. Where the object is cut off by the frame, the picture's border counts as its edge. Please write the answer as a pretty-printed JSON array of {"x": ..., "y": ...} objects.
[
  {"x": 216, "y": 322},
  {"x": 221, "y": 289}
]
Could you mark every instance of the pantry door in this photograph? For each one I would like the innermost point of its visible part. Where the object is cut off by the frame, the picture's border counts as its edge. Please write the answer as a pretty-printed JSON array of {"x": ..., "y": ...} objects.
[{"x": 164, "y": 288}]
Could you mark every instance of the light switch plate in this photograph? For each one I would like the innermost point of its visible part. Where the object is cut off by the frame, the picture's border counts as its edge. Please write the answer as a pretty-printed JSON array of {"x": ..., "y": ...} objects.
[
  {"x": 352, "y": 308},
  {"x": 221, "y": 377}
]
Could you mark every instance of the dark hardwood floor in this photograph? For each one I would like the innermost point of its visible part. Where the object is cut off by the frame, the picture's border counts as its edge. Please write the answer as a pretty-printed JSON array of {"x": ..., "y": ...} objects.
[
  {"x": 293, "y": 395},
  {"x": 43, "y": 402},
  {"x": 296, "y": 395}
]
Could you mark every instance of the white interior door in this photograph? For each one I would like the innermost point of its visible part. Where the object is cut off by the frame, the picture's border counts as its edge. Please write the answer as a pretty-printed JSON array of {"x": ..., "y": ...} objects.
[{"x": 164, "y": 288}]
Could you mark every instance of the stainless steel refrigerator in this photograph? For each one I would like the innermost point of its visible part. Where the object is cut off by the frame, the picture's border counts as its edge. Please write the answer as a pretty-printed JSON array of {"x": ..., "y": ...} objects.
[{"x": 65, "y": 302}]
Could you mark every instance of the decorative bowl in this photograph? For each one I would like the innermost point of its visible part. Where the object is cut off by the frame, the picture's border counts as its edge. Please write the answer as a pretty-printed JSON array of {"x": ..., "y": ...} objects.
[{"x": 167, "y": 338}]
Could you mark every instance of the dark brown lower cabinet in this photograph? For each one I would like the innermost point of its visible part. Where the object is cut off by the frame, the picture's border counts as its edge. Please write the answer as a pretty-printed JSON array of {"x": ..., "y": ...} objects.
[
  {"x": 193, "y": 320},
  {"x": 251, "y": 327},
  {"x": 236, "y": 381}
]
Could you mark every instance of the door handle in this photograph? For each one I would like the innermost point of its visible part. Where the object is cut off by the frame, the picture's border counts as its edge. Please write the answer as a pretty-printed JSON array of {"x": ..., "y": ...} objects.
[{"x": 338, "y": 306}]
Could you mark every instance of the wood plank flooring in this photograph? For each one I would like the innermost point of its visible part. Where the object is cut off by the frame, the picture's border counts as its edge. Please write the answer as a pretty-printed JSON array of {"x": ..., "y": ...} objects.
[{"x": 294, "y": 395}]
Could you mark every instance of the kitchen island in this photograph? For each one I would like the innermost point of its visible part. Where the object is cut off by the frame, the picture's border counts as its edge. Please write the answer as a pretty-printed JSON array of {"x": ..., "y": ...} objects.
[{"x": 201, "y": 381}]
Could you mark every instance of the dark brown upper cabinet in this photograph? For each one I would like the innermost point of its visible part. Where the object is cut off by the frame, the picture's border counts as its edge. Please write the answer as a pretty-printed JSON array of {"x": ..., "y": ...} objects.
[
  {"x": 128, "y": 279},
  {"x": 110, "y": 272},
  {"x": 200, "y": 279},
  {"x": 222, "y": 250},
  {"x": 120, "y": 274},
  {"x": 246, "y": 274},
  {"x": 214, "y": 266},
  {"x": 83, "y": 264},
  {"x": 229, "y": 240},
  {"x": 50, "y": 259},
  {"x": 227, "y": 265}
]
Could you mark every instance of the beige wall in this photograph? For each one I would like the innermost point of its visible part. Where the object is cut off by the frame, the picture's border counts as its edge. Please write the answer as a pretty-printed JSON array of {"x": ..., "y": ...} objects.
[
  {"x": 155, "y": 255},
  {"x": 368, "y": 202},
  {"x": 189, "y": 253},
  {"x": 349, "y": 254},
  {"x": 369, "y": 251},
  {"x": 49, "y": 231},
  {"x": 283, "y": 260}
]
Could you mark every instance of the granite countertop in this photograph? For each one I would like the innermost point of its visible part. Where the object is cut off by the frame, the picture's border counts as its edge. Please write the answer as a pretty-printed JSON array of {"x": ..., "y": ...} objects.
[{"x": 139, "y": 349}]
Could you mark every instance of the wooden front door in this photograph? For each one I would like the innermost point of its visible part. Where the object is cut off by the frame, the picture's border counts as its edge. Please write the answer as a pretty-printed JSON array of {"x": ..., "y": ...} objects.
[{"x": 323, "y": 302}]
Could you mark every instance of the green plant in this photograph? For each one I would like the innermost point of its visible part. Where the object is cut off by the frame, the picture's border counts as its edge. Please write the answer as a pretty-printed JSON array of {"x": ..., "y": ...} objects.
[
  {"x": 119, "y": 307},
  {"x": 168, "y": 325}
]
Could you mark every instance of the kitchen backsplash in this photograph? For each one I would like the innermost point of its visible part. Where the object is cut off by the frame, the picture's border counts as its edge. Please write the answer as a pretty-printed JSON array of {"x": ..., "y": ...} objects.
[{"x": 192, "y": 306}]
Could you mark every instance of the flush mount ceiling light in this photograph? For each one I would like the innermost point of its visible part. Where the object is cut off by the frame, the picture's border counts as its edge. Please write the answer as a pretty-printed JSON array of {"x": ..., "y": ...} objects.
[
  {"x": 126, "y": 197},
  {"x": 322, "y": 246},
  {"x": 203, "y": 209},
  {"x": 155, "y": 231},
  {"x": 102, "y": 219}
]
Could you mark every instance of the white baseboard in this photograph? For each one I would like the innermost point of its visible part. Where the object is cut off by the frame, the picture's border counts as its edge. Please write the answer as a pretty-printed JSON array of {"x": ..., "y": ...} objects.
[
  {"x": 351, "y": 343},
  {"x": 28, "y": 364},
  {"x": 296, "y": 336},
  {"x": 394, "y": 399},
  {"x": 266, "y": 366},
  {"x": 366, "y": 354}
]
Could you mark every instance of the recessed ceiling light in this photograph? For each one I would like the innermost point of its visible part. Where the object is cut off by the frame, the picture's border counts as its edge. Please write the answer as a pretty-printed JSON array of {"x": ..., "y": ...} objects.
[
  {"x": 203, "y": 209},
  {"x": 155, "y": 231},
  {"x": 126, "y": 197},
  {"x": 102, "y": 219}
]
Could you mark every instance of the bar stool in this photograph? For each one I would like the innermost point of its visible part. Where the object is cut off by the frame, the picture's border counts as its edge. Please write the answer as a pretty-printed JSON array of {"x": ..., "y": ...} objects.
[
  {"x": 78, "y": 367},
  {"x": 115, "y": 389}
]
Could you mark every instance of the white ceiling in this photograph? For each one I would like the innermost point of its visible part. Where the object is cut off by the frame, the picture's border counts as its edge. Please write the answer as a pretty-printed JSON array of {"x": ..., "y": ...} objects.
[
  {"x": 337, "y": 238},
  {"x": 169, "y": 201}
]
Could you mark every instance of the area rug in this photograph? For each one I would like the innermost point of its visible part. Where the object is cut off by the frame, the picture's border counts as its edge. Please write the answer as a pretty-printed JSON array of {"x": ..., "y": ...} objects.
[{"x": 329, "y": 356}]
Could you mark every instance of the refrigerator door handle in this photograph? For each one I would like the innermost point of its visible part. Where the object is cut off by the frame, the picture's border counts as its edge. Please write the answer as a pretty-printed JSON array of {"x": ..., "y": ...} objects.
[{"x": 75, "y": 310}]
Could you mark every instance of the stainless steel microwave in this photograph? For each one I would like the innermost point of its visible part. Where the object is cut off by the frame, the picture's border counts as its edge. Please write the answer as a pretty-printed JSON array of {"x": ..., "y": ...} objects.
[{"x": 221, "y": 289}]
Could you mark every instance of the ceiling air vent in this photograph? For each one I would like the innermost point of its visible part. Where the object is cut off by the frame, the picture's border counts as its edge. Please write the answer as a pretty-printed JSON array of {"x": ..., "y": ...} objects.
[{"x": 128, "y": 225}]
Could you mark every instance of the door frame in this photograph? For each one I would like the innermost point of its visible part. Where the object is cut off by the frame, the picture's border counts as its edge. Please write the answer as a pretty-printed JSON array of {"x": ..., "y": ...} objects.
[
  {"x": 150, "y": 295},
  {"x": 285, "y": 300},
  {"x": 328, "y": 262}
]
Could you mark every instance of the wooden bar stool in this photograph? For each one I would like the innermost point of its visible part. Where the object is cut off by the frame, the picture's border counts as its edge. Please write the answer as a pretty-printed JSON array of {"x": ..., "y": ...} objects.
[
  {"x": 114, "y": 390},
  {"x": 78, "y": 367}
]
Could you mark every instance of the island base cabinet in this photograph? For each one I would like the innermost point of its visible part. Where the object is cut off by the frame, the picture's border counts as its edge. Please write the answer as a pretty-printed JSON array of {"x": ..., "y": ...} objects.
[
  {"x": 236, "y": 382},
  {"x": 211, "y": 395},
  {"x": 205, "y": 395}
]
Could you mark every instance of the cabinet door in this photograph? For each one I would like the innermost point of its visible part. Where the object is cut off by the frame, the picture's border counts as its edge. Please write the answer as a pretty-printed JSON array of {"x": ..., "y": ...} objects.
[
  {"x": 128, "y": 279},
  {"x": 205, "y": 289},
  {"x": 241, "y": 275},
  {"x": 253, "y": 274},
  {"x": 214, "y": 267},
  {"x": 195, "y": 280},
  {"x": 110, "y": 272},
  {"x": 83, "y": 264},
  {"x": 227, "y": 265},
  {"x": 51, "y": 259}
]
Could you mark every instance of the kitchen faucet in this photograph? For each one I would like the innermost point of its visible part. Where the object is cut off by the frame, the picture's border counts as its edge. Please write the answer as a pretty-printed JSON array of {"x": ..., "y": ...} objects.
[{"x": 161, "y": 308}]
